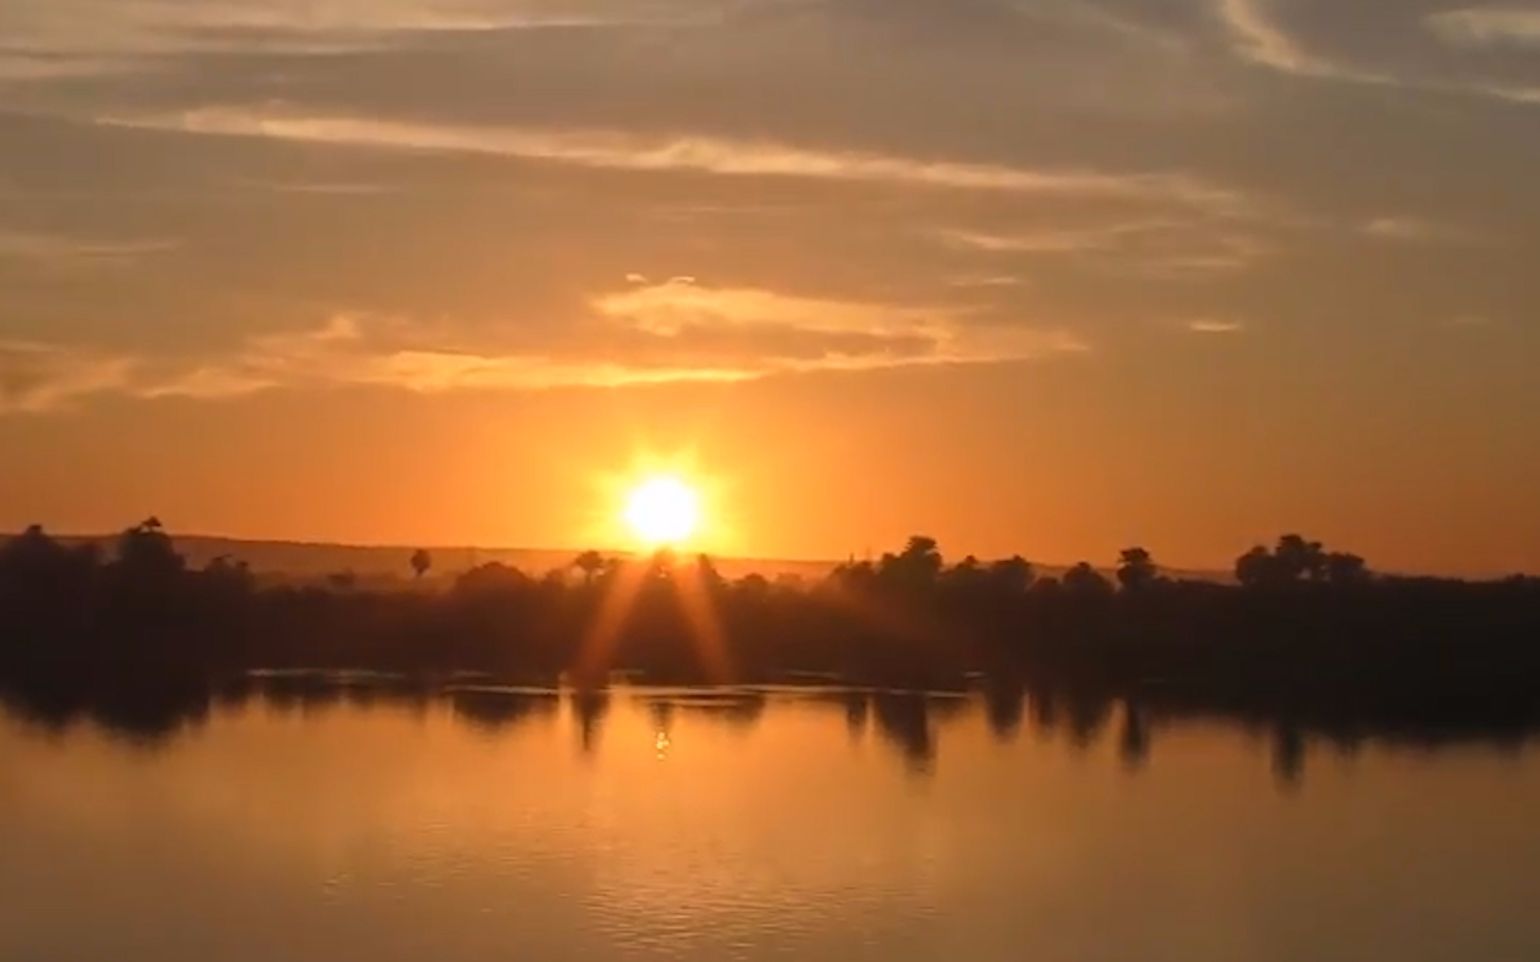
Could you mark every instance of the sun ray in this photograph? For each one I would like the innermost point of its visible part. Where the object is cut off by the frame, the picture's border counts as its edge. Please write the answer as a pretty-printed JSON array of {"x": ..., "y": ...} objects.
[
  {"x": 692, "y": 586},
  {"x": 596, "y": 650}
]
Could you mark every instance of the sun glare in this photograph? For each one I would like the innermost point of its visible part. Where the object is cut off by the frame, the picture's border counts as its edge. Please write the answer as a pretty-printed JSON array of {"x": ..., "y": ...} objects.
[{"x": 662, "y": 511}]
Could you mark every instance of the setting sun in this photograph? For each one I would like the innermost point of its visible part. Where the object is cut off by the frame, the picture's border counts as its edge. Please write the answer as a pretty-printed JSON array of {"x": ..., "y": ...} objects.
[{"x": 662, "y": 510}]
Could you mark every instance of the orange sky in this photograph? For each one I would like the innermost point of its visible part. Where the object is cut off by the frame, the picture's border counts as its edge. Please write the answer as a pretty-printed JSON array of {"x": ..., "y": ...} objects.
[{"x": 1049, "y": 278}]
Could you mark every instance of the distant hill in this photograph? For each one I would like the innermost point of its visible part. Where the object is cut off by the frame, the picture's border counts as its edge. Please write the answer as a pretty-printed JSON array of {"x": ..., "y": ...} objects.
[
  {"x": 311, "y": 561},
  {"x": 306, "y": 561}
]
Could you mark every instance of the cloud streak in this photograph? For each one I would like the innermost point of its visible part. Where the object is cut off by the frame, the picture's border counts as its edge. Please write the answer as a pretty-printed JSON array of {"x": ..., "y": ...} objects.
[
  {"x": 1152, "y": 247},
  {"x": 148, "y": 28},
  {"x": 1487, "y": 26},
  {"x": 668, "y": 333},
  {"x": 53, "y": 247},
  {"x": 1215, "y": 326},
  {"x": 724, "y": 156},
  {"x": 36, "y": 377},
  {"x": 860, "y": 335},
  {"x": 1259, "y": 40}
]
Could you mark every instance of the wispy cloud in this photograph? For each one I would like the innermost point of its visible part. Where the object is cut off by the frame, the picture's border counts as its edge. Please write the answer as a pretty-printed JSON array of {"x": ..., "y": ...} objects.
[
  {"x": 673, "y": 332},
  {"x": 37, "y": 377},
  {"x": 24, "y": 65},
  {"x": 619, "y": 150},
  {"x": 887, "y": 335},
  {"x": 1470, "y": 320},
  {"x": 1487, "y": 26},
  {"x": 347, "y": 351},
  {"x": 1260, "y": 40},
  {"x": 678, "y": 304},
  {"x": 1153, "y": 247},
  {"x": 1055, "y": 241},
  {"x": 62, "y": 247},
  {"x": 987, "y": 280},
  {"x": 1208, "y": 325},
  {"x": 1415, "y": 230},
  {"x": 142, "y": 28}
]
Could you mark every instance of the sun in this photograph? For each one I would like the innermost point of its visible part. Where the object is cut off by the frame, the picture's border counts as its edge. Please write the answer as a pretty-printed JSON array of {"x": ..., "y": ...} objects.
[{"x": 662, "y": 511}]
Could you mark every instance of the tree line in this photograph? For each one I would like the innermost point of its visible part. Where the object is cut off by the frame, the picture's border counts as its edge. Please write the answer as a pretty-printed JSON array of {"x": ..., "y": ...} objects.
[{"x": 1303, "y": 634}]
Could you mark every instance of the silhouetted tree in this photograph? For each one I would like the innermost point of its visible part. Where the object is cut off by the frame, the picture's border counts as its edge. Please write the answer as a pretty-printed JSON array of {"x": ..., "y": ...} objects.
[
  {"x": 923, "y": 554},
  {"x": 967, "y": 576},
  {"x": 918, "y": 565},
  {"x": 229, "y": 574},
  {"x": 1012, "y": 575},
  {"x": 1256, "y": 568},
  {"x": 1085, "y": 582},
  {"x": 146, "y": 551},
  {"x": 590, "y": 563},
  {"x": 37, "y": 570},
  {"x": 421, "y": 562},
  {"x": 1298, "y": 558},
  {"x": 1295, "y": 559},
  {"x": 492, "y": 578},
  {"x": 710, "y": 577},
  {"x": 1344, "y": 568},
  {"x": 1136, "y": 569},
  {"x": 32, "y": 549}
]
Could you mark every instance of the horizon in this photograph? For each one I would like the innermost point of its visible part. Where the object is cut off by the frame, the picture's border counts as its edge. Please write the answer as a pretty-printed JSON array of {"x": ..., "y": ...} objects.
[{"x": 632, "y": 552}]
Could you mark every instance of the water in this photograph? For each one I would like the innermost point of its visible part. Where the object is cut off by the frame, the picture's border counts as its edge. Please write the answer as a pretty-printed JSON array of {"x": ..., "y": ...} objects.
[{"x": 688, "y": 825}]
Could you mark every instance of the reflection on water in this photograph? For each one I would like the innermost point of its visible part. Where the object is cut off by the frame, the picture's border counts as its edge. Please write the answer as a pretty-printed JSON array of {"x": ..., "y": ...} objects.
[
  {"x": 313, "y": 816},
  {"x": 905, "y": 720}
]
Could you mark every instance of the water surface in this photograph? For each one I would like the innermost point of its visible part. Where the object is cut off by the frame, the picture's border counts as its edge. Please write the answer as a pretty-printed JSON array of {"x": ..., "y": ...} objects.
[{"x": 657, "y": 824}]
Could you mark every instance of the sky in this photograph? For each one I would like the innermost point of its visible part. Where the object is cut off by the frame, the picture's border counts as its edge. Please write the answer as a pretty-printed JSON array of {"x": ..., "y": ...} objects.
[{"x": 1049, "y": 277}]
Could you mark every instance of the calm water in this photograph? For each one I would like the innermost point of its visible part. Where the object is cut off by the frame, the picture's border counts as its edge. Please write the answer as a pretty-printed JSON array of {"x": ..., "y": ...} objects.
[{"x": 679, "y": 825}]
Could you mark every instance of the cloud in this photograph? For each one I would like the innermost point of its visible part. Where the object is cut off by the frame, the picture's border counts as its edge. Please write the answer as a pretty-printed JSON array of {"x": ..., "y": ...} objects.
[
  {"x": 1259, "y": 40},
  {"x": 680, "y": 303},
  {"x": 987, "y": 280},
  {"x": 1470, "y": 320},
  {"x": 1487, "y": 26},
  {"x": 1207, "y": 325},
  {"x": 673, "y": 332},
  {"x": 855, "y": 334},
  {"x": 332, "y": 188},
  {"x": 352, "y": 350},
  {"x": 617, "y": 150},
  {"x": 34, "y": 66},
  {"x": 60, "y": 247},
  {"x": 1414, "y": 230},
  {"x": 37, "y": 377},
  {"x": 1153, "y": 247},
  {"x": 1053, "y": 241},
  {"x": 139, "y": 28}
]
